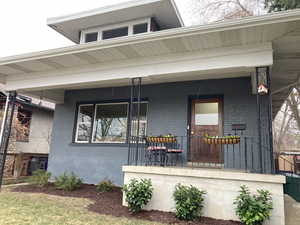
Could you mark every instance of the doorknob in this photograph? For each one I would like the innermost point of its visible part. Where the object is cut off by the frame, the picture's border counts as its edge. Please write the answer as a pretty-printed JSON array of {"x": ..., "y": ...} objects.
[{"x": 192, "y": 132}]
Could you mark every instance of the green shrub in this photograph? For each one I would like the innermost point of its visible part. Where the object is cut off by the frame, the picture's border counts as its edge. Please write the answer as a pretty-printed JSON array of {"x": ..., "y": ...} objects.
[
  {"x": 253, "y": 209},
  {"x": 105, "y": 186},
  {"x": 39, "y": 178},
  {"x": 188, "y": 201},
  {"x": 138, "y": 194},
  {"x": 67, "y": 182}
]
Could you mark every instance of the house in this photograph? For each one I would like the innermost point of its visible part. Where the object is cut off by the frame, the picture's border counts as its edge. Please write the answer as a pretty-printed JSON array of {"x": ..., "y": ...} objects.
[
  {"x": 28, "y": 147},
  {"x": 289, "y": 162},
  {"x": 137, "y": 79}
]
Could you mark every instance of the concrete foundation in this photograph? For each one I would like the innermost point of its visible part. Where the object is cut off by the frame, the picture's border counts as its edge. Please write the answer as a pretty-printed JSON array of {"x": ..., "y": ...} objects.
[{"x": 221, "y": 186}]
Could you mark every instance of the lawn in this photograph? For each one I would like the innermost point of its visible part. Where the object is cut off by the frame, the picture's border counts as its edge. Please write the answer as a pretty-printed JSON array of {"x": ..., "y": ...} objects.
[{"x": 17, "y": 208}]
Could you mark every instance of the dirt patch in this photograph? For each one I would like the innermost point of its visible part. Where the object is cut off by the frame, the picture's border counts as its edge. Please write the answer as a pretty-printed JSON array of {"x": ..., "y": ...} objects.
[{"x": 110, "y": 203}]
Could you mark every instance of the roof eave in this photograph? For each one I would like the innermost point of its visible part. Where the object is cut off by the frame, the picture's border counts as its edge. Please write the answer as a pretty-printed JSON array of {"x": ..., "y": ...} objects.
[{"x": 281, "y": 17}]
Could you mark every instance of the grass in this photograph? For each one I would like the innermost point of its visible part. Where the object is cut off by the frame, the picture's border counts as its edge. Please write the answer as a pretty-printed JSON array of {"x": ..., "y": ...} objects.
[{"x": 41, "y": 209}]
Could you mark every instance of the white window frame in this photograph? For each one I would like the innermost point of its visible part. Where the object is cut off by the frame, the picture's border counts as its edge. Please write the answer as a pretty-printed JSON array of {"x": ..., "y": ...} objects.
[
  {"x": 128, "y": 24},
  {"x": 78, "y": 113},
  {"x": 94, "y": 124}
]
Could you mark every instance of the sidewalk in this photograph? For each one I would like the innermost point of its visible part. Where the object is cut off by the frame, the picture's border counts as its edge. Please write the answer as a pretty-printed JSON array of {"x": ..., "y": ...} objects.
[{"x": 292, "y": 211}]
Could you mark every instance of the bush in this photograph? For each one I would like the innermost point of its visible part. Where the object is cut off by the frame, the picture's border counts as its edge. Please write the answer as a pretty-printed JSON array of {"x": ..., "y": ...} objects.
[
  {"x": 39, "y": 178},
  {"x": 105, "y": 186},
  {"x": 138, "y": 194},
  {"x": 188, "y": 201},
  {"x": 67, "y": 182},
  {"x": 253, "y": 209}
]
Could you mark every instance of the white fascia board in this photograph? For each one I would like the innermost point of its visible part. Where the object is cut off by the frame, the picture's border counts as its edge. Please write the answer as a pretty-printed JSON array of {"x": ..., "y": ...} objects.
[
  {"x": 101, "y": 10},
  {"x": 280, "y": 17},
  {"x": 195, "y": 62},
  {"x": 177, "y": 13}
]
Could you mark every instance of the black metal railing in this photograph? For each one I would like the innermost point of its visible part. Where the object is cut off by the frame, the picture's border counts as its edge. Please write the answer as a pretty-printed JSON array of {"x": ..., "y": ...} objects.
[{"x": 196, "y": 151}]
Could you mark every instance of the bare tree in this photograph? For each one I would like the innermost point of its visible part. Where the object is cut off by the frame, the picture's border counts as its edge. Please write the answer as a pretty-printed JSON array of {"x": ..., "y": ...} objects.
[
  {"x": 217, "y": 10},
  {"x": 281, "y": 127},
  {"x": 287, "y": 123},
  {"x": 293, "y": 102}
]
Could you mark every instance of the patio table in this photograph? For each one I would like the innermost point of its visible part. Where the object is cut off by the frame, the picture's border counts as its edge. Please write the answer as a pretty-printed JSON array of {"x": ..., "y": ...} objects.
[{"x": 158, "y": 148}]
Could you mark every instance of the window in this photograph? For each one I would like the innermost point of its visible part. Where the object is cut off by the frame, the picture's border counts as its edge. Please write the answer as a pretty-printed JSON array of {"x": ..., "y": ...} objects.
[
  {"x": 90, "y": 37},
  {"x": 23, "y": 125},
  {"x": 110, "y": 122},
  {"x": 119, "y": 32},
  {"x": 84, "y": 123},
  {"x": 140, "y": 28}
]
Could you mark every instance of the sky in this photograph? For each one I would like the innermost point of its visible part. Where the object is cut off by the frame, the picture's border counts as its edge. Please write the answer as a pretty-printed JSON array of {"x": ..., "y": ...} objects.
[{"x": 24, "y": 29}]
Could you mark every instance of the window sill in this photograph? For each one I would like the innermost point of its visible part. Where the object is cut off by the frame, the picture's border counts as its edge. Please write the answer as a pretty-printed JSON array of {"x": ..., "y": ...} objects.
[{"x": 99, "y": 144}]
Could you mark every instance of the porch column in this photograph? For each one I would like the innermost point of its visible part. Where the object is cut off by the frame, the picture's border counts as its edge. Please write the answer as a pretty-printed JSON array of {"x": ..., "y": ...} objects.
[
  {"x": 6, "y": 131},
  {"x": 134, "y": 116},
  {"x": 264, "y": 120}
]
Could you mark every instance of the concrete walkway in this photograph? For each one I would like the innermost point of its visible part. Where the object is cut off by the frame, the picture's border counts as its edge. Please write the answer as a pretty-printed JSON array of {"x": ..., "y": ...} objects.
[{"x": 292, "y": 211}]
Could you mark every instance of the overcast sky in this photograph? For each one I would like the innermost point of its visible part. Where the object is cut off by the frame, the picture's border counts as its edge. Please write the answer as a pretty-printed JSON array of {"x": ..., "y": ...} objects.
[{"x": 23, "y": 22}]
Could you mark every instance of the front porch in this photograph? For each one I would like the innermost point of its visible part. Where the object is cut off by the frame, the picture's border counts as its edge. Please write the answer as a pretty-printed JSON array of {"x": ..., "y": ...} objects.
[{"x": 221, "y": 186}]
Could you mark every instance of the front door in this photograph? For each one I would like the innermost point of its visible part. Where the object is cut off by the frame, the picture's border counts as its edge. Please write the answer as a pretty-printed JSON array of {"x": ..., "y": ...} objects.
[{"x": 206, "y": 118}]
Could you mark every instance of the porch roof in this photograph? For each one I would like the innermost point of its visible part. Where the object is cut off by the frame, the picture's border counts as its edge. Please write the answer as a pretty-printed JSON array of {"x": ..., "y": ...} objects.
[{"x": 251, "y": 40}]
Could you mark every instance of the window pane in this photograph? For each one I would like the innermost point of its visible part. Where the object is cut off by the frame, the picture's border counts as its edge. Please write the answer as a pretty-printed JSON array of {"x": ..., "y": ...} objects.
[
  {"x": 91, "y": 37},
  {"x": 23, "y": 125},
  {"x": 110, "y": 123},
  {"x": 143, "y": 120},
  {"x": 84, "y": 123},
  {"x": 119, "y": 32},
  {"x": 140, "y": 28},
  {"x": 207, "y": 113}
]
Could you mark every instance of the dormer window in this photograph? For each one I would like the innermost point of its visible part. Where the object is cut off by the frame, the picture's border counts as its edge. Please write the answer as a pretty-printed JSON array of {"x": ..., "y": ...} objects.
[
  {"x": 140, "y": 28},
  {"x": 119, "y": 30},
  {"x": 114, "y": 33},
  {"x": 90, "y": 37}
]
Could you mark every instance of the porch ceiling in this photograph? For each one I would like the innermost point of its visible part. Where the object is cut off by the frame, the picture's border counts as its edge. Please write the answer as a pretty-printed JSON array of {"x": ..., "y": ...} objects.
[{"x": 280, "y": 29}]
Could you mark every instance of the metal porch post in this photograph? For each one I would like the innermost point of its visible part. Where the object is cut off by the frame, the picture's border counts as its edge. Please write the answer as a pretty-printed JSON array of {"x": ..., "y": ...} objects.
[
  {"x": 6, "y": 132},
  {"x": 130, "y": 121},
  {"x": 258, "y": 121},
  {"x": 266, "y": 101},
  {"x": 134, "y": 85},
  {"x": 270, "y": 116},
  {"x": 138, "y": 120}
]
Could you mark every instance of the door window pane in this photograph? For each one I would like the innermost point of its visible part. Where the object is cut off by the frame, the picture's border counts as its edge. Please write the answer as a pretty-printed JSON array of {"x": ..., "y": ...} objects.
[
  {"x": 91, "y": 37},
  {"x": 84, "y": 123},
  {"x": 207, "y": 113},
  {"x": 110, "y": 123},
  {"x": 119, "y": 32}
]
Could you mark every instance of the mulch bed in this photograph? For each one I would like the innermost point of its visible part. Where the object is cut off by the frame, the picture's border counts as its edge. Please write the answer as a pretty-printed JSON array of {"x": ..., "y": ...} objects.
[{"x": 110, "y": 203}]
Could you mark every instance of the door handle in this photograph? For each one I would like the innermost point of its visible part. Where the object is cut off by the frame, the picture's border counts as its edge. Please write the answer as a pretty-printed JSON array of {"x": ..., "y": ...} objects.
[{"x": 192, "y": 132}]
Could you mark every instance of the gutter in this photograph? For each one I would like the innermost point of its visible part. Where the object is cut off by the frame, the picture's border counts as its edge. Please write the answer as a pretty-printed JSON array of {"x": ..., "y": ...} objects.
[{"x": 278, "y": 17}]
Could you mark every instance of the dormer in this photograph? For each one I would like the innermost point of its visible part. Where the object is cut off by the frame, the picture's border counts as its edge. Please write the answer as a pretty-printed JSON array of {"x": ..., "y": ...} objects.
[
  {"x": 137, "y": 26},
  {"x": 117, "y": 21}
]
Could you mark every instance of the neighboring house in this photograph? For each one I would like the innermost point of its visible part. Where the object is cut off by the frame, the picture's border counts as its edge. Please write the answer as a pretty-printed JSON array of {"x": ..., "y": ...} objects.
[
  {"x": 30, "y": 136},
  {"x": 189, "y": 82},
  {"x": 289, "y": 162}
]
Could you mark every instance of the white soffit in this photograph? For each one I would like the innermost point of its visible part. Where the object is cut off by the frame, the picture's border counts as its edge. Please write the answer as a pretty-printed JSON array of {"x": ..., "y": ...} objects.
[
  {"x": 164, "y": 11},
  {"x": 242, "y": 32}
]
